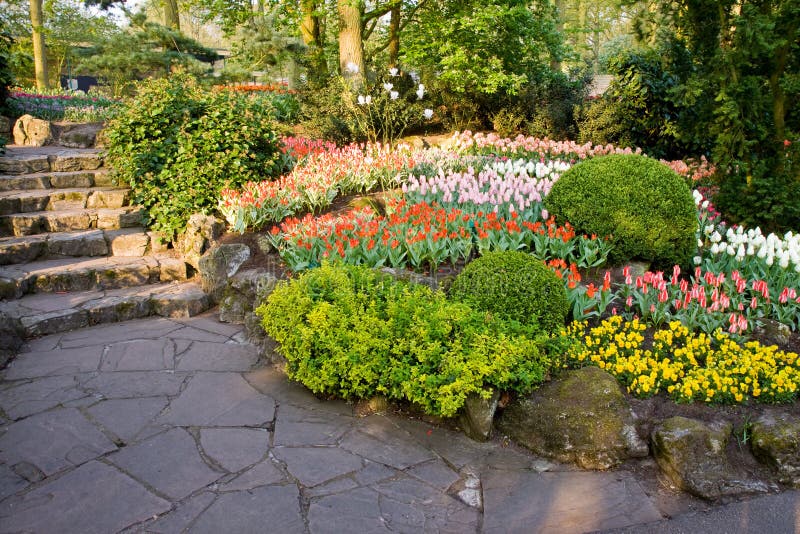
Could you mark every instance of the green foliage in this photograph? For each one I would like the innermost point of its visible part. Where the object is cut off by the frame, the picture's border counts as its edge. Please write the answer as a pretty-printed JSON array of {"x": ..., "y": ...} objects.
[
  {"x": 644, "y": 206},
  {"x": 338, "y": 114},
  {"x": 471, "y": 51},
  {"x": 600, "y": 122},
  {"x": 507, "y": 121},
  {"x": 148, "y": 50},
  {"x": 514, "y": 286},
  {"x": 738, "y": 66},
  {"x": 645, "y": 106},
  {"x": 324, "y": 115},
  {"x": 550, "y": 101},
  {"x": 6, "y": 76},
  {"x": 353, "y": 332},
  {"x": 178, "y": 145},
  {"x": 764, "y": 193}
]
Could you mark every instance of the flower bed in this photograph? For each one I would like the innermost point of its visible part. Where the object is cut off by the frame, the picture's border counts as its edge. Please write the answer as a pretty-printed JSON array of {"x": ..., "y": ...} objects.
[
  {"x": 452, "y": 206},
  {"x": 685, "y": 365},
  {"x": 60, "y": 105}
]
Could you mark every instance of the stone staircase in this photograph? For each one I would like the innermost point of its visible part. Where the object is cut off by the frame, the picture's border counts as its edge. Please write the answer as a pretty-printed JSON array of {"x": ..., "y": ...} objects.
[{"x": 72, "y": 249}]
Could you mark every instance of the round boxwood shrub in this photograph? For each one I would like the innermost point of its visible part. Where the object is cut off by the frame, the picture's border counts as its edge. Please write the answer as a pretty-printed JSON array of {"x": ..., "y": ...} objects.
[
  {"x": 513, "y": 285},
  {"x": 644, "y": 206}
]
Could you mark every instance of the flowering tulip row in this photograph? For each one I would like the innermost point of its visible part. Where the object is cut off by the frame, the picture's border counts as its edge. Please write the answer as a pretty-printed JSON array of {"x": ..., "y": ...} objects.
[
  {"x": 422, "y": 235},
  {"x": 503, "y": 187},
  {"x": 705, "y": 302},
  {"x": 535, "y": 148},
  {"x": 315, "y": 183},
  {"x": 531, "y": 147},
  {"x": 685, "y": 365}
]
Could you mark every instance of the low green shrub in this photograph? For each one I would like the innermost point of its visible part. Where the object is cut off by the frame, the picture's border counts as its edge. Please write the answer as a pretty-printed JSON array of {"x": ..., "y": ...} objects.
[
  {"x": 516, "y": 286},
  {"x": 644, "y": 206},
  {"x": 354, "y": 332},
  {"x": 178, "y": 145}
]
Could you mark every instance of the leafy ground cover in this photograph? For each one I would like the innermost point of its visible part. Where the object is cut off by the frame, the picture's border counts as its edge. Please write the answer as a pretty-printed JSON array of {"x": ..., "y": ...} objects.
[{"x": 691, "y": 332}]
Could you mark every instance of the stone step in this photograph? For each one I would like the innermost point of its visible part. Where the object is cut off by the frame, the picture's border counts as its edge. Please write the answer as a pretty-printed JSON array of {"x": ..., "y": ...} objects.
[
  {"x": 83, "y": 274},
  {"x": 12, "y": 202},
  {"x": 57, "y": 180},
  {"x": 37, "y": 315},
  {"x": 128, "y": 242},
  {"x": 38, "y": 222},
  {"x": 28, "y": 160}
]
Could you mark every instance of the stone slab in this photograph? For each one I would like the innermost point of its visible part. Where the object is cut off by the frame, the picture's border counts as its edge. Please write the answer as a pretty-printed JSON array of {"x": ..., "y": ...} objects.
[
  {"x": 168, "y": 462},
  {"x": 220, "y": 399},
  {"x": 54, "y": 362},
  {"x": 123, "y": 385},
  {"x": 139, "y": 355},
  {"x": 53, "y": 441},
  {"x": 22, "y": 400},
  {"x": 235, "y": 448},
  {"x": 95, "y": 498},
  {"x": 315, "y": 465},
  {"x": 269, "y": 508},
  {"x": 208, "y": 356},
  {"x": 126, "y": 418},
  {"x": 566, "y": 502},
  {"x": 262, "y": 474}
]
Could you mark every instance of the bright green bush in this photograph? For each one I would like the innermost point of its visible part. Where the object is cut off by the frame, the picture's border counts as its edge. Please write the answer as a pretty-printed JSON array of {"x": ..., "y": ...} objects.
[
  {"x": 515, "y": 286},
  {"x": 178, "y": 145},
  {"x": 644, "y": 206},
  {"x": 353, "y": 332}
]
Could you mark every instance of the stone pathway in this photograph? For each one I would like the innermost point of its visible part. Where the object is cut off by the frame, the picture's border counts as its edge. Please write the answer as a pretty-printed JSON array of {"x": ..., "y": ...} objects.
[{"x": 173, "y": 425}]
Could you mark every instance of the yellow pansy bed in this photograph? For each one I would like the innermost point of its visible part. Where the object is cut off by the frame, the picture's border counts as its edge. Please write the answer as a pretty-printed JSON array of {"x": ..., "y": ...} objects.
[{"x": 687, "y": 366}]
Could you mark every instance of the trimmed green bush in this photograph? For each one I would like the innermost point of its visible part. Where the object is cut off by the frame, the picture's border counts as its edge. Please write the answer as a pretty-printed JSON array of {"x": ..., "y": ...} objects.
[
  {"x": 644, "y": 206},
  {"x": 353, "y": 332},
  {"x": 178, "y": 145},
  {"x": 515, "y": 286}
]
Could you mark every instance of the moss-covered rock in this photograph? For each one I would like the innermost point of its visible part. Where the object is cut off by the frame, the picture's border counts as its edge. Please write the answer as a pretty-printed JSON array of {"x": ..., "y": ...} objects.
[
  {"x": 219, "y": 264},
  {"x": 477, "y": 416},
  {"x": 693, "y": 456},
  {"x": 777, "y": 444},
  {"x": 583, "y": 417}
]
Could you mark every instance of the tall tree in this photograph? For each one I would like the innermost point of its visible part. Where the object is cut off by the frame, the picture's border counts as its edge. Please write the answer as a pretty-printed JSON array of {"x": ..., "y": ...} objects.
[
  {"x": 39, "y": 51},
  {"x": 172, "y": 18},
  {"x": 351, "y": 44}
]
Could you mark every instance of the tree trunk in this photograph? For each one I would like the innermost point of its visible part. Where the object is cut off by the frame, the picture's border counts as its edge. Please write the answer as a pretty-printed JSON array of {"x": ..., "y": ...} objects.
[
  {"x": 351, "y": 51},
  {"x": 171, "y": 16},
  {"x": 311, "y": 32},
  {"x": 39, "y": 52},
  {"x": 394, "y": 36}
]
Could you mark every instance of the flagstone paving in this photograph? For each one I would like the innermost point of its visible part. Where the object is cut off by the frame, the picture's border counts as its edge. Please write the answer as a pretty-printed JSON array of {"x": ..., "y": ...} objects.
[{"x": 174, "y": 425}]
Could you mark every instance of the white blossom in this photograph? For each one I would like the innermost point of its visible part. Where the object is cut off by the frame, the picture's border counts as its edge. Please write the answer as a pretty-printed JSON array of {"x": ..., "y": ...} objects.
[
  {"x": 388, "y": 87},
  {"x": 420, "y": 91},
  {"x": 393, "y": 95},
  {"x": 393, "y": 71},
  {"x": 428, "y": 113}
]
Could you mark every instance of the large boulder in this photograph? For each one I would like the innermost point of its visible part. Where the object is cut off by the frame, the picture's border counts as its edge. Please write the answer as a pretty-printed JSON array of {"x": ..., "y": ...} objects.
[
  {"x": 219, "y": 264},
  {"x": 693, "y": 456},
  {"x": 477, "y": 416},
  {"x": 243, "y": 293},
  {"x": 76, "y": 135},
  {"x": 582, "y": 417},
  {"x": 30, "y": 131},
  {"x": 777, "y": 443},
  {"x": 202, "y": 232}
]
